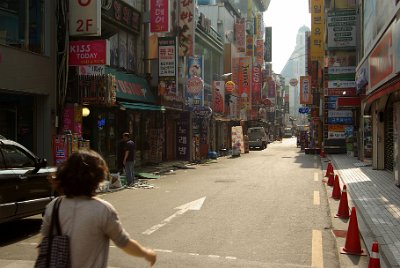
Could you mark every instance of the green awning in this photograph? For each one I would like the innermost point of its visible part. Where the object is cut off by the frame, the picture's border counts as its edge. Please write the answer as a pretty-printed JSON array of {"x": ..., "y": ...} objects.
[{"x": 141, "y": 106}]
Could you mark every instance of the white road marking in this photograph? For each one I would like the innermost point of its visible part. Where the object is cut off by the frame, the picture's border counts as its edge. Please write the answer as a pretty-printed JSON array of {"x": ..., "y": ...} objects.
[
  {"x": 317, "y": 258},
  {"x": 316, "y": 198},
  {"x": 194, "y": 205},
  {"x": 163, "y": 250},
  {"x": 213, "y": 256},
  {"x": 230, "y": 258},
  {"x": 315, "y": 176}
]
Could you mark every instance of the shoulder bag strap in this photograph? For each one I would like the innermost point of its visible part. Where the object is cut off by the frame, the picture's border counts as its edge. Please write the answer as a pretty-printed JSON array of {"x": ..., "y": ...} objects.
[
  {"x": 53, "y": 223},
  {"x": 56, "y": 218}
]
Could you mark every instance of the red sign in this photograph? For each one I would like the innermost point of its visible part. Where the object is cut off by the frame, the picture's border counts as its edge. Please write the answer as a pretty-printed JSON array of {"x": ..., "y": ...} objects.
[
  {"x": 381, "y": 59},
  {"x": 88, "y": 52},
  {"x": 159, "y": 16},
  {"x": 340, "y": 91},
  {"x": 348, "y": 102}
]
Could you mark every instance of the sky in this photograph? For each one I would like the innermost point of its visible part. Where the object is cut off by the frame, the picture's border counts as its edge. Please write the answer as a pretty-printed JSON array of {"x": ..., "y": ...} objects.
[{"x": 286, "y": 18}]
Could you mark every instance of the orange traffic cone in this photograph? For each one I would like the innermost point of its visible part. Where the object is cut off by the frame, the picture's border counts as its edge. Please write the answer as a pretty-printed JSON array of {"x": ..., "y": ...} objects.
[
  {"x": 343, "y": 210},
  {"x": 329, "y": 169},
  {"x": 331, "y": 179},
  {"x": 336, "y": 193},
  {"x": 374, "y": 261},
  {"x": 352, "y": 245},
  {"x": 322, "y": 153}
]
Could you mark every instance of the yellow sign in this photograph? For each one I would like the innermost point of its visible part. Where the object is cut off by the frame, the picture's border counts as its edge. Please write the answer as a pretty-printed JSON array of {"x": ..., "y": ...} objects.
[{"x": 317, "y": 49}]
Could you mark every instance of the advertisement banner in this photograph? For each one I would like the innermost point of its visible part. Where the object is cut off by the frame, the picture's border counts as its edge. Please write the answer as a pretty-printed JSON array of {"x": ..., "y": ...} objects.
[
  {"x": 218, "y": 99},
  {"x": 259, "y": 51},
  {"x": 194, "y": 92},
  {"x": 342, "y": 29},
  {"x": 159, "y": 17},
  {"x": 259, "y": 23},
  {"x": 271, "y": 86},
  {"x": 240, "y": 34},
  {"x": 84, "y": 18},
  {"x": 268, "y": 45},
  {"x": 317, "y": 50},
  {"x": 91, "y": 52},
  {"x": 250, "y": 45},
  {"x": 256, "y": 86},
  {"x": 186, "y": 27},
  {"x": 195, "y": 66},
  {"x": 244, "y": 78},
  {"x": 305, "y": 90}
]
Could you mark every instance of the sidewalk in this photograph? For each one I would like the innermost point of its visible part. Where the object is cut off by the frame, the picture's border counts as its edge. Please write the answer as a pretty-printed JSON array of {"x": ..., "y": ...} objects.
[{"x": 377, "y": 202}]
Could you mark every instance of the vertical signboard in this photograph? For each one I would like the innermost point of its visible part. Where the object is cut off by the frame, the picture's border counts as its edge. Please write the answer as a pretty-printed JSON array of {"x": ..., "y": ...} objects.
[
  {"x": 305, "y": 90},
  {"x": 268, "y": 44},
  {"x": 259, "y": 22},
  {"x": 159, "y": 17},
  {"x": 182, "y": 137},
  {"x": 84, "y": 18},
  {"x": 250, "y": 45},
  {"x": 244, "y": 82},
  {"x": 256, "y": 86},
  {"x": 167, "y": 59},
  {"x": 259, "y": 53},
  {"x": 317, "y": 31},
  {"x": 186, "y": 27},
  {"x": 240, "y": 34},
  {"x": 218, "y": 97}
]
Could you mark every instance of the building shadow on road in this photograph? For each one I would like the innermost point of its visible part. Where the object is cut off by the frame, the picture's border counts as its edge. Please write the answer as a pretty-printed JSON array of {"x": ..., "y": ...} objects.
[{"x": 15, "y": 231}]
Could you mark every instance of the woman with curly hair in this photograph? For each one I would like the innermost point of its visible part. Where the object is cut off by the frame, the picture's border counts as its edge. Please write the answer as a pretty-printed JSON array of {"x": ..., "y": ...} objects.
[{"x": 89, "y": 222}]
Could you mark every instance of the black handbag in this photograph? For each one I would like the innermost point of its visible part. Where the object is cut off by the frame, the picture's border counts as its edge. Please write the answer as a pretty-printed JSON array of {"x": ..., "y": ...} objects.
[{"x": 54, "y": 250}]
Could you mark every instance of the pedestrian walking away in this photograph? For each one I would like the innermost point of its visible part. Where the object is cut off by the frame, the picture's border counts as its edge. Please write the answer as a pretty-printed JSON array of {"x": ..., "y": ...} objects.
[
  {"x": 129, "y": 159},
  {"x": 88, "y": 221}
]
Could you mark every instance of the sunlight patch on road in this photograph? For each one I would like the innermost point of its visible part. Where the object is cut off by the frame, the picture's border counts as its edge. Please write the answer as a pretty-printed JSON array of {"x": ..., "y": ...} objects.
[
  {"x": 316, "y": 198},
  {"x": 317, "y": 258}
]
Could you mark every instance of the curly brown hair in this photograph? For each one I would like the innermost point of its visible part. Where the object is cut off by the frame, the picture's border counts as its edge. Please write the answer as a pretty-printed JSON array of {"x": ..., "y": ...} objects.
[{"x": 81, "y": 174}]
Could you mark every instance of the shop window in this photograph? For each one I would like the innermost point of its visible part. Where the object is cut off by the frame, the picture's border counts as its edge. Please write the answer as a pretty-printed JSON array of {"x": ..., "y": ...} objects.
[
  {"x": 21, "y": 26},
  {"x": 122, "y": 51}
]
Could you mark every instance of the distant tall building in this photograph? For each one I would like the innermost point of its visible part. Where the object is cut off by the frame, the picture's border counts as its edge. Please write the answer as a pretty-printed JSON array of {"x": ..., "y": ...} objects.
[{"x": 294, "y": 68}]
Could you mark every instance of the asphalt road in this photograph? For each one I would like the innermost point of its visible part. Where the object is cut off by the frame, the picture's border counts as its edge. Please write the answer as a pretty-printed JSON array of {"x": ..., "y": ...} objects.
[{"x": 267, "y": 208}]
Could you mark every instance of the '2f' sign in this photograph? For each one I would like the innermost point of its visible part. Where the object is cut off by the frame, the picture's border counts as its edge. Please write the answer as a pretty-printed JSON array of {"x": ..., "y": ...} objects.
[{"x": 84, "y": 17}]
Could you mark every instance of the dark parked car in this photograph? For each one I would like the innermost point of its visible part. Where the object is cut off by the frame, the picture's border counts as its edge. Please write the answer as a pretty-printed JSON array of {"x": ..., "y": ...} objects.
[{"x": 25, "y": 189}]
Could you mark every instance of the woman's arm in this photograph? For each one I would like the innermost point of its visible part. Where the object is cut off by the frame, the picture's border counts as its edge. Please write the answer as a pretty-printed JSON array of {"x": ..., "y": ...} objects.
[{"x": 135, "y": 249}]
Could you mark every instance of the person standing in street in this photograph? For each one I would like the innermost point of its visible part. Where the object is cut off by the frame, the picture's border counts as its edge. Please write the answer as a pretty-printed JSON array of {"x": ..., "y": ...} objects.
[
  {"x": 129, "y": 159},
  {"x": 88, "y": 221}
]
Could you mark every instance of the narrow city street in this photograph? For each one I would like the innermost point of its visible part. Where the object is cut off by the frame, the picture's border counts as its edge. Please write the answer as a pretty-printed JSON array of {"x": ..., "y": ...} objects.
[{"x": 267, "y": 208}]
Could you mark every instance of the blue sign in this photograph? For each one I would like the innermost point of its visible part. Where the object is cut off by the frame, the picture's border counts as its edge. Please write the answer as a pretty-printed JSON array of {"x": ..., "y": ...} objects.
[
  {"x": 304, "y": 110},
  {"x": 340, "y": 120}
]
